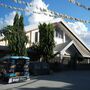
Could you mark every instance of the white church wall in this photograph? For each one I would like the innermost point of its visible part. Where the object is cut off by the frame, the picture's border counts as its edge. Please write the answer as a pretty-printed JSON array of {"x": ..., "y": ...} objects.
[
  {"x": 2, "y": 43},
  {"x": 33, "y": 36},
  {"x": 58, "y": 41}
]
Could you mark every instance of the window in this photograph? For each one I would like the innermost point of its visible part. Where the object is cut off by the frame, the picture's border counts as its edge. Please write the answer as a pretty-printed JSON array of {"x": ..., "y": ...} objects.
[
  {"x": 36, "y": 36},
  {"x": 56, "y": 34},
  {"x": 59, "y": 34}
]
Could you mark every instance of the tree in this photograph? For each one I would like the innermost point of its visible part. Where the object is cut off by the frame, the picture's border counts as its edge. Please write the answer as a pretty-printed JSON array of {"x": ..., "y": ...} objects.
[
  {"x": 21, "y": 24},
  {"x": 46, "y": 40},
  {"x": 22, "y": 37},
  {"x": 16, "y": 22},
  {"x": 16, "y": 37},
  {"x": 7, "y": 31},
  {"x": 34, "y": 52}
]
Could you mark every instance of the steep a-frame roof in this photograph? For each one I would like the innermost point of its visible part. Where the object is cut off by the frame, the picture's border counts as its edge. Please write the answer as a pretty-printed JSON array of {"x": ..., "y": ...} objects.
[
  {"x": 79, "y": 44},
  {"x": 77, "y": 41},
  {"x": 60, "y": 47}
]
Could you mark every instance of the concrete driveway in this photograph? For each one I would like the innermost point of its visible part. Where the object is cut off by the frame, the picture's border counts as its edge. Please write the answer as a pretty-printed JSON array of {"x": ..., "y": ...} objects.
[{"x": 67, "y": 80}]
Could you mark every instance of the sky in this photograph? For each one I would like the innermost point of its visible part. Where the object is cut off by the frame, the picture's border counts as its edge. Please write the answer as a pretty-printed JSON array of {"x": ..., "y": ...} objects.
[{"x": 60, "y": 6}]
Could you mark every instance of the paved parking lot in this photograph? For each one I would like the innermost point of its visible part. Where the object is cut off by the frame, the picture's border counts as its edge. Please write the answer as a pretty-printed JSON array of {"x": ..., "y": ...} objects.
[{"x": 67, "y": 80}]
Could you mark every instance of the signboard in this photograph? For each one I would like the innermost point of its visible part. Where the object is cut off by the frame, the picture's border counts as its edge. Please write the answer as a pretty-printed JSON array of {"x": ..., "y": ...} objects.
[{"x": 17, "y": 79}]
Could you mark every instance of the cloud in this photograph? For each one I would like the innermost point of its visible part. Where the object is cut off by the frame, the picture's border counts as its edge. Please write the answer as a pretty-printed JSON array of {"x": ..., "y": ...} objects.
[
  {"x": 81, "y": 30},
  {"x": 7, "y": 19},
  {"x": 86, "y": 38},
  {"x": 35, "y": 18},
  {"x": 78, "y": 27}
]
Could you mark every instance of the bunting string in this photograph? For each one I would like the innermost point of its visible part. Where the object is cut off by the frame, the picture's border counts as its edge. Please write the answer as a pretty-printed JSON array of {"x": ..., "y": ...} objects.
[
  {"x": 55, "y": 14},
  {"x": 69, "y": 17},
  {"x": 45, "y": 12},
  {"x": 78, "y": 4},
  {"x": 13, "y": 7},
  {"x": 28, "y": 4},
  {"x": 22, "y": 2}
]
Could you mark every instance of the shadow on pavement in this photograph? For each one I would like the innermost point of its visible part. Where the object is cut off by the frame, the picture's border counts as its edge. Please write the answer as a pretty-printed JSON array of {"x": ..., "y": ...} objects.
[
  {"x": 46, "y": 88},
  {"x": 2, "y": 82},
  {"x": 77, "y": 80}
]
